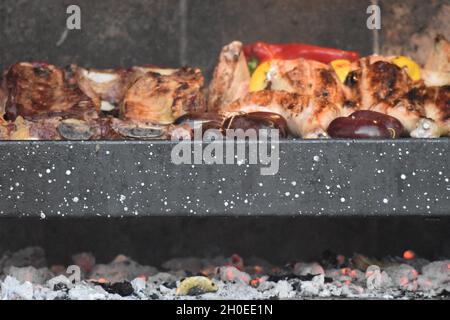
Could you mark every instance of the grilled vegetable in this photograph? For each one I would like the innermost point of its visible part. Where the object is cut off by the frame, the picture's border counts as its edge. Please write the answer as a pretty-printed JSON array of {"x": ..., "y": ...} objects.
[
  {"x": 257, "y": 121},
  {"x": 264, "y": 51},
  {"x": 342, "y": 67},
  {"x": 366, "y": 124},
  {"x": 191, "y": 121},
  {"x": 346, "y": 127},
  {"x": 391, "y": 123},
  {"x": 252, "y": 64},
  {"x": 259, "y": 80},
  {"x": 412, "y": 68}
]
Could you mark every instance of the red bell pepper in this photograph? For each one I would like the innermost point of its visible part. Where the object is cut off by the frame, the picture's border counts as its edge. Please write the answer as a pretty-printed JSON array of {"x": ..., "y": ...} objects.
[{"x": 265, "y": 51}]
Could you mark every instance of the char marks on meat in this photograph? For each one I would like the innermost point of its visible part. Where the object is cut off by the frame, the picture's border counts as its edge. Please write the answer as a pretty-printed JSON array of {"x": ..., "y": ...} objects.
[
  {"x": 162, "y": 98},
  {"x": 39, "y": 90},
  {"x": 231, "y": 77}
]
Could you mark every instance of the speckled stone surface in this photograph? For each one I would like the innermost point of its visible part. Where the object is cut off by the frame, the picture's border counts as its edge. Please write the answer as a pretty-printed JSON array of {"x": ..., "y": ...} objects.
[{"x": 402, "y": 177}]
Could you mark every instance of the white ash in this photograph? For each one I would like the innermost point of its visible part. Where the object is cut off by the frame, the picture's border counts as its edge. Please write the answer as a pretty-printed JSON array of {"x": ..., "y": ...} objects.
[
  {"x": 121, "y": 268},
  {"x": 394, "y": 278}
]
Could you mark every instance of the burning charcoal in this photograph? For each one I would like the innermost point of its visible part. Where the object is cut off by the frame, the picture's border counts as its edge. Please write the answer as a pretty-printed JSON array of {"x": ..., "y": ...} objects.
[
  {"x": 376, "y": 279},
  {"x": 122, "y": 268},
  {"x": 85, "y": 260},
  {"x": 13, "y": 289},
  {"x": 193, "y": 265},
  {"x": 237, "y": 262},
  {"x": 31, "y": 256},
  {"x": 124, "y": 289},
  {"x": 154, "y": 296},
  {"x": 60, "y": 287},
  {"x": 307, "y": 277},
  {"x": 59, "y": 283},
  {"x": 312, "y": 288},
  {"x": 87, "y": 292},
  {"x": 170, "y": 284},
  {"x": 303, "y": 269},
  {"x": 284, "y": 290},
  {"x": 31, "y": 274},
  {"x": 230, "y": 273},
  {"x": 403, "y": 276},
  {"x": 435, "y": 276},
  {"x": 362, "y": 262},
  {"x": 162, "y": 277},
  {"x": 58, "y": 269},
  {"x": 138, "y": 285},
  {"x": 196, "y": 286}
]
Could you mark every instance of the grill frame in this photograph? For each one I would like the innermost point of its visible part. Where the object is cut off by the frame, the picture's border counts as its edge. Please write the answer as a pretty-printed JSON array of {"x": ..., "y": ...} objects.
[{"x": 350, "y": 178}]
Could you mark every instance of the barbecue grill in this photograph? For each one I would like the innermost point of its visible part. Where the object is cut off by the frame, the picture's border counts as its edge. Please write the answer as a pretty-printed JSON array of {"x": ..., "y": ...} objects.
[{"x": 329, "y": 198}]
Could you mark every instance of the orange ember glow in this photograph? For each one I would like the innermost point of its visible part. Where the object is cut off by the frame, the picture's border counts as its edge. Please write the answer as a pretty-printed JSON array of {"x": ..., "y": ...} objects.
[
  {"x": 229, "y": 274},
  {"x": 408, "y": 255},
  {"x": 346, "y": 271},
  {"x": 258, "y": 269},
  {"x": 102, "y": 280},
  {"x": 255, "y": 282},
  {"x": 404, "y": 281}
]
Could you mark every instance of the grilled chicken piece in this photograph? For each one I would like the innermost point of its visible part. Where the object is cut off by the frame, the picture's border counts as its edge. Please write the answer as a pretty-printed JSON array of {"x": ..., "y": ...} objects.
[
  {"x": 39, "y": 90},
  {"x": 376, "y": 84},
  {"x": 437, "y": 69},
  {"x": 320, "y": 95},
  {"x": 436, "y": 106},
  {"x": 231, "y": 77},
  {"x": 306, "y": 77},
  {"x": 306, "y": 116},
  {"x": 381, "y": 86},
  {"x": 160, "y": 99}
]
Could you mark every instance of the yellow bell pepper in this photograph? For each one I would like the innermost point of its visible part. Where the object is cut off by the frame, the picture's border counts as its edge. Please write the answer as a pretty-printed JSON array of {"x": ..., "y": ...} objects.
[
  {"x": 342, "y": 68},
  {"x": 412, "y": 68},
  {"x": 259, "y": 80}
]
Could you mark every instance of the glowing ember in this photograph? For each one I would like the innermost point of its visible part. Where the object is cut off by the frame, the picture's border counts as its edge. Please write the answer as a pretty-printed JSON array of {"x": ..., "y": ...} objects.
[{"x": 408, "y": 255}]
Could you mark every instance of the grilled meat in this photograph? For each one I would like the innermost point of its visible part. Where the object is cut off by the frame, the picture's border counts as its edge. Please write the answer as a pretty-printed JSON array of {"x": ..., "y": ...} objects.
[
  {"x": 437, "y": 68},
  {"x": 436, "y": 106},
  {"x": 231, "y": 77},
  {"x": 160, "y": 99},
  {"x": 108, "y": 85},
  {"x": 111, "y": 85},
  {"x": 39, "y": 90},
  {"x": 306, "y": 117}
]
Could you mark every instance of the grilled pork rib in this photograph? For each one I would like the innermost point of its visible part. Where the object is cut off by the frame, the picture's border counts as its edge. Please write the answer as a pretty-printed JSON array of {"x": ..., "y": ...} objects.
[
  {"x": 39, "y": 90},
  {"x": 48, "y": 103}
]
